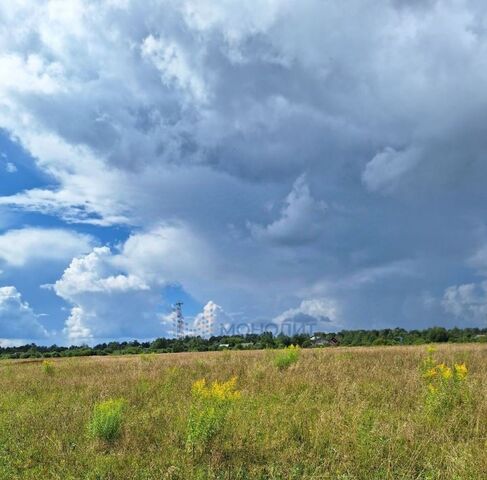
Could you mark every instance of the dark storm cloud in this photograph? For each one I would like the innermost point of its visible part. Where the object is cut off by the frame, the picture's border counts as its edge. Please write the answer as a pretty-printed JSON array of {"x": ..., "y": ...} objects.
[{"x": 319, "y": 150}]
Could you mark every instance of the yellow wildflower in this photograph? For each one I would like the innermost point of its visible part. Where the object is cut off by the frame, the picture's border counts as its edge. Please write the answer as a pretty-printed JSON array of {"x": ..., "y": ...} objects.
[
  {"x": 461, "y": 370},
  {"x": 444, "y": 371},
  {"x": 430, "y": 373},
  {"x": 48, "y": 367},
  {"x": 225, "y": 390},
  {"x": 217, "y": 390},
  {"x": 447, "y": 373},
  {"x": 199, "y": 388}
]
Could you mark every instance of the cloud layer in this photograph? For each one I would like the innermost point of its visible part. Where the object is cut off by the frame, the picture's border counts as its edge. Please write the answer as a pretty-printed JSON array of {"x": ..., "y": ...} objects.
[{"x": 273, "y": 156}]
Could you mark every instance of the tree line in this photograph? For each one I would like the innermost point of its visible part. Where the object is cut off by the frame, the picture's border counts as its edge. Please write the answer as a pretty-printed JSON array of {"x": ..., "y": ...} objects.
[{"x": 266, "y": 340}]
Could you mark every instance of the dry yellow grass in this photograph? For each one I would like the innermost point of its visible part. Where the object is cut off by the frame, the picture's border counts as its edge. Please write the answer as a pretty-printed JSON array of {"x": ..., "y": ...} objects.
[{"x": 343, "y": 413}]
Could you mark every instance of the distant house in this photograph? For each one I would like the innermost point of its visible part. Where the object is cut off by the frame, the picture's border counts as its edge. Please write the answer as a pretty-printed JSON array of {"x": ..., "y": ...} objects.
[
  {"x": 324, "y": 342},
  {"x": 224, "y": 345},
  {"x": 247, "y": 345}
]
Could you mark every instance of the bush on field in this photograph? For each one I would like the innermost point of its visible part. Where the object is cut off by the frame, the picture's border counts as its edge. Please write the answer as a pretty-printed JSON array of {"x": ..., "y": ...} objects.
[
  {"x": 106, "y": 420},
  {"x": 209, "y": 409},
  {"x": 286, "y": 357}
]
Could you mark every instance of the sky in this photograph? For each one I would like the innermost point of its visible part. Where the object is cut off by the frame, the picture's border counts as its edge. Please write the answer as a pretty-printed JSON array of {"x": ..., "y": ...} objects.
[{"x": 292, "y": 163}]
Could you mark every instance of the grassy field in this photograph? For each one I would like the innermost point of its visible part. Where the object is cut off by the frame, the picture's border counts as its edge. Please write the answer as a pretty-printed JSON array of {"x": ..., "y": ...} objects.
[{"x": 336, "y": 413}]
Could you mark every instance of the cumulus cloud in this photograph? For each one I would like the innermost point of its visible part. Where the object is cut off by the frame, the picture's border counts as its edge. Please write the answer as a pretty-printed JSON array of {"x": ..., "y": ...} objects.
[
  {"x": 168, "y": 252},
  {"x": 17, "y": 319},
  {"x": 317, "y": 314},
  {"x": 107, "y": 302},
  {"x": 30, "y": 75},
  {"x": 173, "y": 62},
  {"x": 212, "y": 321},
  {"x": 76, "y": 329},
  {"x": 255, "y": 92},
  {"x": 467, "y": 302},
  {"x": 260, "y": 93},
  {"x": 91, "y": 273},
  {"x": 118, "y": 293},
  {"x": 300, "y": 221},
  {"x": 19, "y": 247},
  {"x": 203, "y": 114}
]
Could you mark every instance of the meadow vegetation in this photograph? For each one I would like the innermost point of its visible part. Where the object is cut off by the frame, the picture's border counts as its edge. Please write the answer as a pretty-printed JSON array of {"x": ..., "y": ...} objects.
[
  {"x": 208, "y": 412},
  {"x": 106, "y": 421},
  {"x": 335, "y": 413},
  {"x": 48, "y": 367},
  {"x": 286, "y": 357}
]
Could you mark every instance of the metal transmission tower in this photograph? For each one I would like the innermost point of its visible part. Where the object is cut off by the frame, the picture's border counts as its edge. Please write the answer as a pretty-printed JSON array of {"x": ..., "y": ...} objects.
[{"x": 178, "y": 320}]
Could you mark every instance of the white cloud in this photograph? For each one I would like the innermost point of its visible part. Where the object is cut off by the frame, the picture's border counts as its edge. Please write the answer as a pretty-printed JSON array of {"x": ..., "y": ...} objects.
[
  {"x": 237, "y": 23},
  {"x": 93, "y": 273},
  {"x": 10, "y": 167},
  {"x": 168, "y": 322},
  {"x": 173, "y": 63},
  {"x": 118, "y": 293},
  {"x": 6, "y": 342},
  {"x": 84, "y": 196},
  {"x": 316, "y": 314},
  {"x": 17, "y": 319},
  {"x": 107, "y": 302},
  {"x": 386, "y": 170},
  {"x": 467, "y": 302},
  {"x": 75, "y": 329},
  {"x": 346, "y": 92},
  {"x": 19, "y": 247},
  {"x": 169, "y": 252},
  {"x": 30, "y": 75},
  {"x": 301, "y": 218},
  {"x": 212, "y": 321},
  {"x": 199, "y": 113}
]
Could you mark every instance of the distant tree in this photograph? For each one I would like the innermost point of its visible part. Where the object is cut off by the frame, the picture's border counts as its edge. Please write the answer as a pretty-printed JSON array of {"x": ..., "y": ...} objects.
[{"x": 438, "y": 334}]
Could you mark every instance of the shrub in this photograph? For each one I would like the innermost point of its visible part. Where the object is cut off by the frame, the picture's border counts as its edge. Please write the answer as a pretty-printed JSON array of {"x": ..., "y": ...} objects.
[
  {"x": 286, "y": 357},
  {"x": 106, "y": 420},
  {"x": 48, "y": 367},
  {"x": 209, "y": 409}
]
